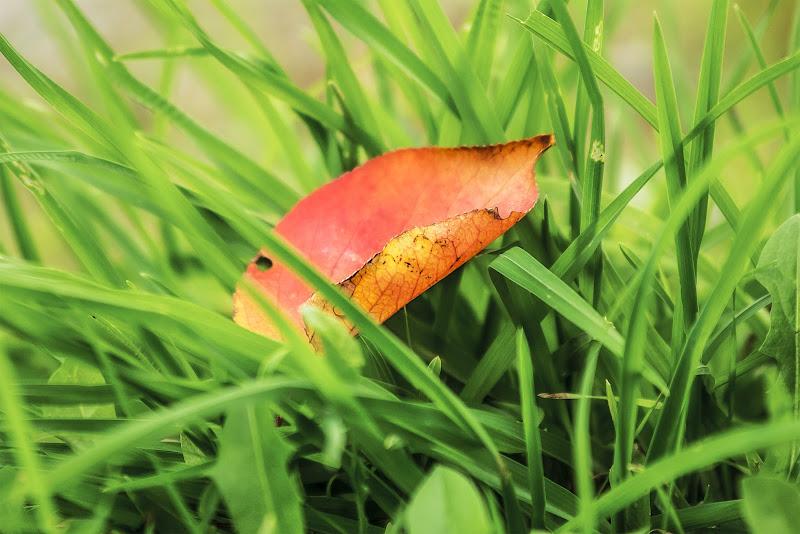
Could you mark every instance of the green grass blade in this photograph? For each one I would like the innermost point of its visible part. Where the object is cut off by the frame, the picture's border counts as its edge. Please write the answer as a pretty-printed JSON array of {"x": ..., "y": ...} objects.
[
  {"x": 62, "y": 101},
  {"x": 773, "y": 93},
  {"x": 637, "y": 264},
  {"x": 369, "y": 29},
  {"x": 707, "y": 96},
  {"x": 699, "y": 455},
  {"x": 20, "y": 432},
  {"x": 82, "y": 239},
  {"x": 482, "y": 38},
  {"x": 525, "y": 271},
  {"x": 247, "y": 178},
  {"x": 794, "y": 44},
  {"x": 572, "y": 260},
  {"x": 737, "y": 73},
  {"x": 477, "y": 114},
  {"x": 706, "y": 515},
  {"x": 533, "y": 444},
  {"x": 165, "y": 422},
  {"x": 492, "y": 366},
  {"x": 543, "y": 59},
  {"x": 252, "y": 475},
  {"x": 549, "y": 32},
  {"x": 514, "y": 84},
  {"x": 358, "y": 105},
  {"x": 633, "y": 358},
  {"x": 245, "y": 31},
  {"x": 745, "y": 243},
  {"x": 745, "y": 89},
  {"x": 675, "y": 168},
  {"x": 19, "y": 226},
  {"x": 583, "y": 443},
  {"x": 274, "y": 83},
  {"x": 164, "y": 53},
  {"x": 592, "y": 35},
  {"x": 728, "y": 327},
  {"x": 592, "y": 185},
  {"x": 546, "y": 29}
]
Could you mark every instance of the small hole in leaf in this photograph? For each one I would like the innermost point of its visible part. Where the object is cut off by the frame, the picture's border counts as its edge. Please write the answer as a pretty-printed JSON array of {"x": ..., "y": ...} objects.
[{"x": 263, "y": 263}]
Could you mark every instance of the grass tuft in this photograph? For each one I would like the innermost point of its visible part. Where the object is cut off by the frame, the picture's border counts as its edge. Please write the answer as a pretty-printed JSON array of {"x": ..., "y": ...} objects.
[{"x": 630, "y": 299}]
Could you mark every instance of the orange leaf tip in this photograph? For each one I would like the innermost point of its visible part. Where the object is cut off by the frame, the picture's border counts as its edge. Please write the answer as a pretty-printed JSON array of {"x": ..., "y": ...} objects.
[{"x": 390, "y": 229}]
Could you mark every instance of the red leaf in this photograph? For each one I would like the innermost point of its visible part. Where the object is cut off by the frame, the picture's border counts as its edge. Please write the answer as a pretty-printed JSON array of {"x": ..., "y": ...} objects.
[{"x": 395, "y": 226}]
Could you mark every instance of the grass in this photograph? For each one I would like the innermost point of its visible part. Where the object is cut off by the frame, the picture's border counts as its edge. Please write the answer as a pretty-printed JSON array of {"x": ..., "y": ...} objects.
[{"x": 130, "y": 401}]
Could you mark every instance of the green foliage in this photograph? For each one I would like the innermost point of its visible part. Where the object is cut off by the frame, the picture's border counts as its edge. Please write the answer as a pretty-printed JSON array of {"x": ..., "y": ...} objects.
[
  {"x": 449, "y": 503},
  {"x": 779, "y": 272},
  {"x": 770, "y": 504},
  {"x": 636, "y": 297},
  {"x": 251, "y": 473}
]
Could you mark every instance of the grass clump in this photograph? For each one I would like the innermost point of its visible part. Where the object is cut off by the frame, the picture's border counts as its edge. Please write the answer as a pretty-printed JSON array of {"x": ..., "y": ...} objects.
[{"x": 643, "y": 295}]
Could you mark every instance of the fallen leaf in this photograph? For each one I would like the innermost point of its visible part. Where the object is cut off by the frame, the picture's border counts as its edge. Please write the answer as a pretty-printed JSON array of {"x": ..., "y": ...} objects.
[{"x": 392, "y": 228}]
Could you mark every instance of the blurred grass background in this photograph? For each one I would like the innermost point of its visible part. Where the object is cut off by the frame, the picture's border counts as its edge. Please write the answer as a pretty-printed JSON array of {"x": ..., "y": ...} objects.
[{"x": 34, "y": 27}]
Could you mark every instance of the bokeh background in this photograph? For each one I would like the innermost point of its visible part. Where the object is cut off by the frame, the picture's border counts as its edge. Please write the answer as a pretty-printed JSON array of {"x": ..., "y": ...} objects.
[{"x": 213, "y": 97}]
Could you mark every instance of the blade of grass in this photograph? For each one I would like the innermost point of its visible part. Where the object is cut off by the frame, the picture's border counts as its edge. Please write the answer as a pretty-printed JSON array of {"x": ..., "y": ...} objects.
[
  {"x": 670, "y": 137},
  {"x": 24, "y": 448},
  {"x": 252, "y": 472},
  {"x": 165, "y": 421},
  {"x": 743, "y": 246},
  {"x": 494, "y": 363},
  {"x": 737, "y": 73},
  {"x": 582, "y": 452},
  {"x": 637, "y": 264},
  {"x": 369, "y": 29},
  {"x": 273, "y": 117},
  {"x": 245, "y": 31},
  {"x": 63, "y": 102},
  {"x": 745, "y": 89},
  {"x": 482, "y": 38},
  {"x": 707, "y": 96},
  {"x": 203, "y": 322},
  {"x": 706, "y": 514},
  {"x": 533, "y": 444},
  {"x": 572, "y": 260},
  {"x": 17, "y": 221},
  {"x": 164, "y": 53},
  {"x": 794, "y": 84},
  {"x": 525, "y": 271},
  {"x": 699, "y": 455},
  {"x": 516, "y": 81},
  {"x": 635, "y": 344},
  {"x": 728, "y": 327},
  {"x": 274, "y": 83},
  {"x": 357, "y": 102},
  {"x": 592, "y": 183},
  {"x": 548, "y": 31},
  {"x": 248, "y": 178},
  {"x": 81, "y": 238},
  {"x": 543, "y": 62},
  {"x": 762, "y": 63},
  {"x": 477, "y": 114},
  {"x": 593, "y": 35}
]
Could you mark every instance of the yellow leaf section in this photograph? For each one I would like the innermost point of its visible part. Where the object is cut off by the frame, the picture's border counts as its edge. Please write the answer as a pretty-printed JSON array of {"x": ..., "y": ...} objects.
[
  {"x": 247, "y": 313},
  {"x": 415, "y": 260}
]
